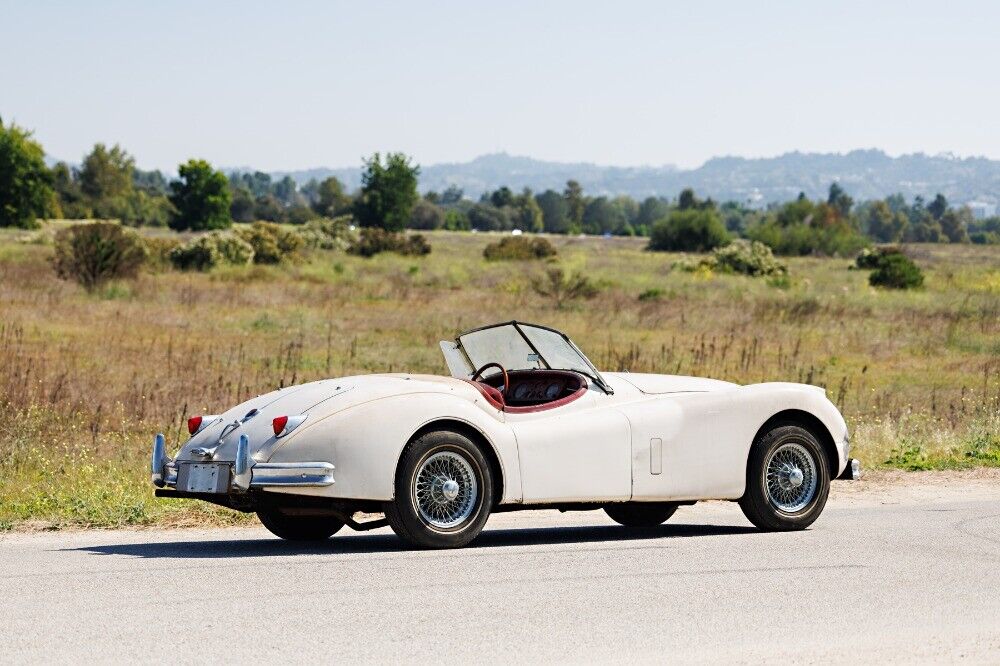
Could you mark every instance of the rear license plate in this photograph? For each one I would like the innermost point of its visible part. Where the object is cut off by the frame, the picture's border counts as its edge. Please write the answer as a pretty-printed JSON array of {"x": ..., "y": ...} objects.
[{"x": 203, "y": 478}]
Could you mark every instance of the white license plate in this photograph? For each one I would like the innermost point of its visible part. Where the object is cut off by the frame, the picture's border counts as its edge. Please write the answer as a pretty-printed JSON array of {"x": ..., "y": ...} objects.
[{"x": 207, "y": 478}]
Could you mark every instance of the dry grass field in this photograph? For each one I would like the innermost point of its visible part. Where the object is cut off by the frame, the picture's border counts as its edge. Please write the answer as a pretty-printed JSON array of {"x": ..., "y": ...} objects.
[{"x": 88, "y": 379}]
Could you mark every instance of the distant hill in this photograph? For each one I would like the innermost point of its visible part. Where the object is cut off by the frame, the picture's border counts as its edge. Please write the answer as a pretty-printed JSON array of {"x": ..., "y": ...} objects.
[{"x": 865, "y": 174}]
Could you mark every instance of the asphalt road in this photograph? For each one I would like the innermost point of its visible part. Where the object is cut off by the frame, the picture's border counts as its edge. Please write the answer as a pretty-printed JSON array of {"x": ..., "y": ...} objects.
[{"x": 896, "y": 575}]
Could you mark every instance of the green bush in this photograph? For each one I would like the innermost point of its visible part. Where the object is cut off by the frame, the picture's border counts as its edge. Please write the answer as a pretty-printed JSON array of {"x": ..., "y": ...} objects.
[
  {"x": 806, "y": 239},
  {"x": 158, "y": 250},
  {"x": 741, "y": 257},
  {"x": 92, "y": 254},
  {"x": 271, "y": 243},
  {"x": 373, "y": 240},
  {"x": 206, "y": 252},
  {"x": 689, "y": 231},
  {"x": 896, "y": 271},
  {"x": 519, "y": 248},
  {"x": 328, "y": 234},
  {"x": 869, "y": 259},
  {"x": 748, "y": 258},
  {"x": 563, "y": 287}
]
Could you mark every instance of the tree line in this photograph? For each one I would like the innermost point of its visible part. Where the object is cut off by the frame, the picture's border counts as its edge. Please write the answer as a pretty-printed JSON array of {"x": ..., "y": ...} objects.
[{"x": 108, "y": 185}]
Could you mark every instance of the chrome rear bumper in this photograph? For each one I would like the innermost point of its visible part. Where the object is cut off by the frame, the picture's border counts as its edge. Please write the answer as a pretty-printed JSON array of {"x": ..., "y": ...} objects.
[{"x": 246, "y": 473}]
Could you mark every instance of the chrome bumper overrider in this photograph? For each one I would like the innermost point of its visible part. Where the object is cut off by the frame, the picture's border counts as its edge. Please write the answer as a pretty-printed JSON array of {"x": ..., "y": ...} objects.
[
  {"x": 246, "y": 473},
  {"x": 852, "y": 472}
]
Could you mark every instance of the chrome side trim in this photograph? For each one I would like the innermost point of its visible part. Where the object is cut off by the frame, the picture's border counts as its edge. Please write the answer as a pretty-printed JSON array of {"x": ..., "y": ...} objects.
[{"x": 313, "y": 474}]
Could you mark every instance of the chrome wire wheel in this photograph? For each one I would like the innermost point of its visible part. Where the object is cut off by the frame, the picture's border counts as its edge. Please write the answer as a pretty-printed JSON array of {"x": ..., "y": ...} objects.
[
  {"x": 791, "y": 477},
  {"x": 445, "y": 490}
]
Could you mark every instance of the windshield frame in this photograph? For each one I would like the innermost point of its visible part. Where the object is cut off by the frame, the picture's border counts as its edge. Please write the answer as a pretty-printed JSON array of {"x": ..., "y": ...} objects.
[{"x": 591, "y": 371}]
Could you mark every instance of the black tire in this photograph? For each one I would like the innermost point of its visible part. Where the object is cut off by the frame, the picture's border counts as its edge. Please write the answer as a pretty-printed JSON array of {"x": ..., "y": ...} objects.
[
  {"x": 299, "y": 528},
  {"x": 762, "y": 506},
  {"x": 417, "y": 527},
  {"x": 640, "y": 514}
]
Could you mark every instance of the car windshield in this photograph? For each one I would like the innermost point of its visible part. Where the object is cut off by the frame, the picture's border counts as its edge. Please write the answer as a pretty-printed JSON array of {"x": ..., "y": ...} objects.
[{"x": 518, "y": 346}]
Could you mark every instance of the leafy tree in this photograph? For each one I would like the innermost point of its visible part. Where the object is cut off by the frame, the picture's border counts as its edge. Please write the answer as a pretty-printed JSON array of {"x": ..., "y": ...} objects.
[
  {"x": 242, "y": 208},
  {"x": 650, "y": 210},
  {"x": 954, "y": 224},
  {"x": 426, "y": 215},
  {"x": 452, "y": 195},
  {"x": 883, "y": 224},
  {"x": 555, "y": 212},
  {"x": 67, "y": 188},
  {"x": 527, "y": 213},
  {"x": 486, "y": 217},
  {"x": 106, "y": 174},
  {"x": 388, "y": 192},
  {"x": 688, "y": 201},
  {"x": 201, "y": 197},
  {"x": 502, "y": 197},
  {"x": 689, "y": 231},
  {"x": 923, "y": 227},
  {"x": 575, "y": 203},
  {"x": 839, "y": 200},
  {"x": 938, "y": 207},
  {"x": 603, "y": 217},
  {"x": 286, "y": 190},
  {"x": 331, "y": 198},
  {"x": 456, "y": 220},
  {"x": 25, "y": 183},
  {"x": 268, "y": 208},
  {"x": 152, "y": 182}
]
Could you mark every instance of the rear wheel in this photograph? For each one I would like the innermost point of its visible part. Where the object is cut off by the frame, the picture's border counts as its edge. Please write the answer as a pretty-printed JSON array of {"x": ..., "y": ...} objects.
[
  {"x": 299, "y": 528},
  {"x": 444, "y": 491},
  {"x": 641, "y": 514},
  {"x": 788, "y": 480}
]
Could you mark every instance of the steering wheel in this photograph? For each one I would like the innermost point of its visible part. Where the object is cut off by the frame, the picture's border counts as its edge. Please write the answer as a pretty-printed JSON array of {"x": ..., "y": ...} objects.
[{"x": 506, "y": 382}]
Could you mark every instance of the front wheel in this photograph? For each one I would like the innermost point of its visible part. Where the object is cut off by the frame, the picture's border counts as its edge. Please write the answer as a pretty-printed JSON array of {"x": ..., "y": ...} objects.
[
  {"x": 299, "y": 528},
  {"x": 788, "y": 480},
  {"x": 444, "y": 491}
]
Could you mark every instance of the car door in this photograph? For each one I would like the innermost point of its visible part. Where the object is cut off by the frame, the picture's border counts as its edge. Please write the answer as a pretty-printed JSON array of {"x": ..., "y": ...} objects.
[{"x": 578, "y": 452}]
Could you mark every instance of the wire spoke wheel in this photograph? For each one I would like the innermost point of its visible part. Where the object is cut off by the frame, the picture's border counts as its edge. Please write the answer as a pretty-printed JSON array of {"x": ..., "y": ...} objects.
[
  {"x": 791, "y": 477},
  {"x": 445, "y": 490}
]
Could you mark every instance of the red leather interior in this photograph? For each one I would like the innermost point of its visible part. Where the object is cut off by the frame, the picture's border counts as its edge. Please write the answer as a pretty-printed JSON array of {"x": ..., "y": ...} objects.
[{"x": 574, "y": 386}]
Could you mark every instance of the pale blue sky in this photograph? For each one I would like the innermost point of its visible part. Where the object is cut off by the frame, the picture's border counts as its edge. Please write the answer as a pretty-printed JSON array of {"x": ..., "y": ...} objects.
[{"x": 286, "y": 85}]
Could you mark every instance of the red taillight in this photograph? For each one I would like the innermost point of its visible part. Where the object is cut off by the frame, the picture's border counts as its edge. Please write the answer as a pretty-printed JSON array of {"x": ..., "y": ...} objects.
[
  {"x": 279, "y": 424},
  {"x": 194, "y": 424}
]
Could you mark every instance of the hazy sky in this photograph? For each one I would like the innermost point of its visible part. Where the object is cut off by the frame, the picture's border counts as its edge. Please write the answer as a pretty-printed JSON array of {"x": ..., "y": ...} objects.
[{"x": 285, "y": 85}]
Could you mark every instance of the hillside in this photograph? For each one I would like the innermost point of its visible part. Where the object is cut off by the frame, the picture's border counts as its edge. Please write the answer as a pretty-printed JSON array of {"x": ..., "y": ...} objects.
[{"x": 865, "y": 174}]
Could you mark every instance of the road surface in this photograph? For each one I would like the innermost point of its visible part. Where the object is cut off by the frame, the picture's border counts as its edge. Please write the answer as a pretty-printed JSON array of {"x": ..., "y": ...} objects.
[{"x": 894, "y": 570}]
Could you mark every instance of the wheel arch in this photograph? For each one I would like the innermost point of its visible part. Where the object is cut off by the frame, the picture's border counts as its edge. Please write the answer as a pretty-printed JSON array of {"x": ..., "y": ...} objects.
[
  {"x": 473, "y": 433},
  {"x": 810, "y": 422}
]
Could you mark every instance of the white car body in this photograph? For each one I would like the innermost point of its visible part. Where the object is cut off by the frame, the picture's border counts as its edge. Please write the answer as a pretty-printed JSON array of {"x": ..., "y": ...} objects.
[{"x": 654, "y": 438}]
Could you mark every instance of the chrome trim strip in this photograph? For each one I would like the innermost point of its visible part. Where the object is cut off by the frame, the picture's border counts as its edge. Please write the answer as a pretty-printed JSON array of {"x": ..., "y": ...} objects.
[
  {"x": 310, "y": 474},
  {"x": 242, "y": 474}
]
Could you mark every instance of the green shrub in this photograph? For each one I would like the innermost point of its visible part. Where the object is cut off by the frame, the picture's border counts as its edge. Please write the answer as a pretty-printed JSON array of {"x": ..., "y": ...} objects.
[
  {"x": 653, "y": 294},
  {"x": 328, "y": 234},
  {"x": 92, "y": 254},
  {"x": 689, "y": 231},
  {"x": 158, "y": 250},
  {"x": 741, "y": 257},
  {"x": 869, "y": 259},
  {"x": 206, "y": 252},
  {"x": 271, "y": 243},
  {"x": 373, "y": 240},
  {"x": 748, "y": 258},
  {"x": 519, "y": 248},
  {"x": 807, "y": 239},
  {"x": 562, "y": 287},
  {"x": 896, "y": 271},
  {"x": 985, "y": 238}
]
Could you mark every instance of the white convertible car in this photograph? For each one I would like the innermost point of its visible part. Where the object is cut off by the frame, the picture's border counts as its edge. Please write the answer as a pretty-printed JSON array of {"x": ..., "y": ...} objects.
[{"x": 525, "y": 422}]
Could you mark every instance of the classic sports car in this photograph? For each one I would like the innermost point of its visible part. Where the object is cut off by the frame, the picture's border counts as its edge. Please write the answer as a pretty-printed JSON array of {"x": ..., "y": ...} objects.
[{"x": 525, "y": 422}]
